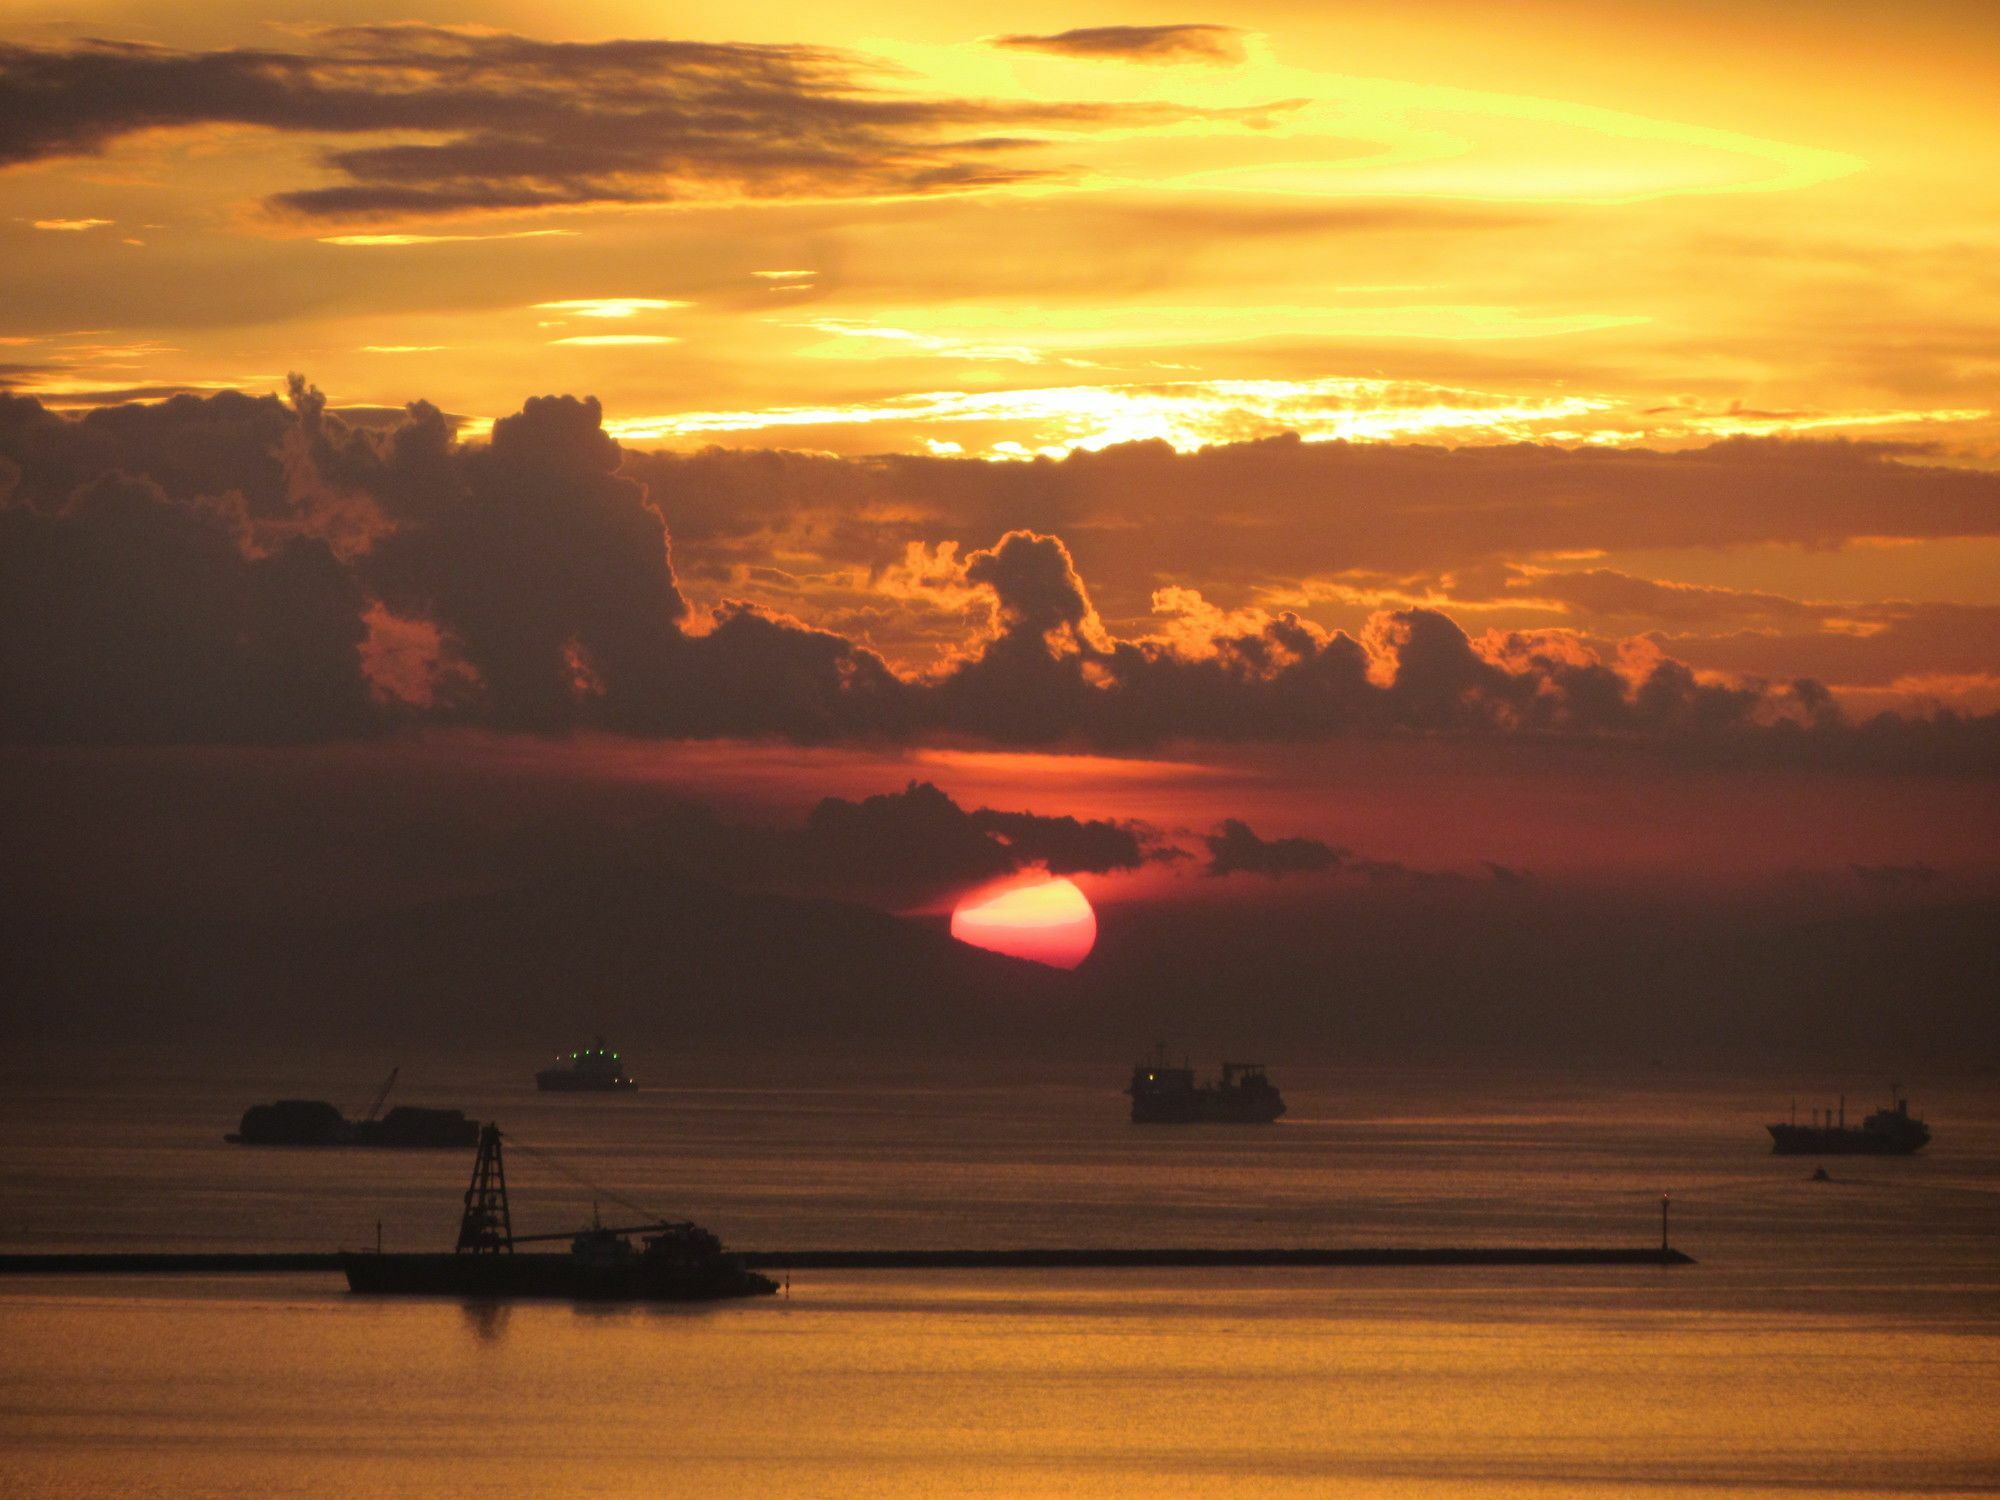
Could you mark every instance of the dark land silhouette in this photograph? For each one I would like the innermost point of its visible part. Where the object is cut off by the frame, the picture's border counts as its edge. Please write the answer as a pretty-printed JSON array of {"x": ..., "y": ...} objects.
[{"x": 666, "y": 961}]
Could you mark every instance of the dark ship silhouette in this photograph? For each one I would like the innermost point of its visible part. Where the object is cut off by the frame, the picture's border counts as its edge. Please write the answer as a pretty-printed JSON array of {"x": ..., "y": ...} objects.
[
  {"x": 1887, "y": 1132},
  {"x": 675, "y": 1262},
  {"x": 1169, "y": 1096},
  {"x": 314, "y": 1122},
  {"x": 592, "y": 1070}
]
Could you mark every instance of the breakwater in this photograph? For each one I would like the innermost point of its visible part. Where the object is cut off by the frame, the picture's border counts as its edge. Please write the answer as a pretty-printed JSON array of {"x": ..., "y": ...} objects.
[
  {"x": 133, "y": 1263},
  {"x": 1199, "y": 1258}
]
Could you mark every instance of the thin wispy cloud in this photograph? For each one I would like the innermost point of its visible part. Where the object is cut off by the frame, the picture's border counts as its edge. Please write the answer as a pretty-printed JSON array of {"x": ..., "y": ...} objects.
[
  {"x": 495, "y": 122},
  {"x": 1142, "y": 44}
]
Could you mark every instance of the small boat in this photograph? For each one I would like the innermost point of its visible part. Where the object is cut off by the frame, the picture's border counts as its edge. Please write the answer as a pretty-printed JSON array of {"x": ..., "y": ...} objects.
[
  {"x": 1169, "y": 1096},
  {"x": 314, "y": 1122},
  {"x": 1888, "y": 1132},
  {"x": 673, "y": 1262},
  {"x": 593, "y": 1070}
]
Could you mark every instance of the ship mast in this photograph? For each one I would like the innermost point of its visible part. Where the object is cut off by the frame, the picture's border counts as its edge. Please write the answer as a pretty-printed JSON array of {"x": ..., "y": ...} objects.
[{"x": 485, "y": 1228}]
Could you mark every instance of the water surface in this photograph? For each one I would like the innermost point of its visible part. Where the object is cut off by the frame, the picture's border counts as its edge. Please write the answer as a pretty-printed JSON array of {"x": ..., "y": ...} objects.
[{"x": 1836, "y": 1337}]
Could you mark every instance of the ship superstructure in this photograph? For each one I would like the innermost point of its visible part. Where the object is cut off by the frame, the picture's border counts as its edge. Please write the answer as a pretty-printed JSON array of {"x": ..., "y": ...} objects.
[
  {"x": 594, "y": 1070},
  {"x": 673, "y": 1262},
  {"x": 1163, "y": 1095},
  {"x": 314, "y": 1122},
  {"x": 1887, "y": 1132}
]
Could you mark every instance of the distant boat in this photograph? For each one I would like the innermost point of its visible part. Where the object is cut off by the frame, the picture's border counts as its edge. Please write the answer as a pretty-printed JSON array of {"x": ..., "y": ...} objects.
[
  {"x": 314, "y": 1122},
  {"x": 592, "y": 1070},
  {"x": 675, "y": 1262},
  {"x": 1887, "y": 1132},
  {"x": 1169, "y": 1096}
]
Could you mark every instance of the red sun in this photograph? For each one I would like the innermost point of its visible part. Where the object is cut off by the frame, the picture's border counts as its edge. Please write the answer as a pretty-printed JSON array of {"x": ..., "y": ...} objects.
[{"x": 1049, "y": 922}]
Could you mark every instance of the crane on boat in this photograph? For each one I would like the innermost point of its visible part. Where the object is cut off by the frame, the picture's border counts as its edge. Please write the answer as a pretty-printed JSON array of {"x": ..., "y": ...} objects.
[{"x": 382, "y": 1095}]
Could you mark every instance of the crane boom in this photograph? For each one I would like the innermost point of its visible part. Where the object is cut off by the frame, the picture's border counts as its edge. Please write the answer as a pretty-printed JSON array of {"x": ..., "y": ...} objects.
[
  {"x": 382, "y": 1097},
  {"x": 570, "y": 1234}
]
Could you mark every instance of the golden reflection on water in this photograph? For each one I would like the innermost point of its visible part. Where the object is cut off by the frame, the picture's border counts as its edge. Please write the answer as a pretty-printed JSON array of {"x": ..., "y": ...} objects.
[{"x": 979, "y": 1384}]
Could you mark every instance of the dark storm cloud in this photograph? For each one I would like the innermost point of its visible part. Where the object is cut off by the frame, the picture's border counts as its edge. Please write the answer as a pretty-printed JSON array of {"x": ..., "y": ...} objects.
[
  {"x": 904, "y": 847},
  {"x": 189, "y": 446},
  {"x": 128, "y": 616},
  {"x": 883, "y": 830},
  {"x": 1146, "y": 44},
  {"x": 509, "y": 122},
  {"x": 1896, "y": 876},
  {"x": 236, "y": 567},
  {"x": 549, "y": 569},
  {"x": 1069, "y": 846},
  {"x": 62, "y": 400},
  {"x": 1234, "y": 848}
]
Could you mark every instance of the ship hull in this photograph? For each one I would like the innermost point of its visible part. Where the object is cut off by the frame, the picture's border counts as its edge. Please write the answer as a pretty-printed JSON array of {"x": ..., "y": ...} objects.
[
  {"x": 407, "y": 1128},
  {"x": 561, "y": 1081},
  {"x": 1200, "y": 1110},
  {"x": 549, "y": 1277},
  {"x": 457, "y": 1142},
  {"x": 1814, "y": 1140}
]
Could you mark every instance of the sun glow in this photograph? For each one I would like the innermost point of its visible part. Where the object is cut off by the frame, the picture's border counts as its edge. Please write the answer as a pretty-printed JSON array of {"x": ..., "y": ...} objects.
[
  {"x": 610, "y": 307},
  {"x": 617, "y": 340},
  {"x": 1050, "y": 922},
  {"x": 1186, "y": 414}
]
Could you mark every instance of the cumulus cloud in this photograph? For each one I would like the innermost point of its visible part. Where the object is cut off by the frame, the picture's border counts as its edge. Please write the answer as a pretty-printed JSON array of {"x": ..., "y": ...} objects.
[
  {"x": 311, "y": 576},
  {"x": 1145, "y": 44},
  {"x": 1259, "y": 517},
  {"x": 490, "y": 121},
  {"x": 1750, "y": 632}
]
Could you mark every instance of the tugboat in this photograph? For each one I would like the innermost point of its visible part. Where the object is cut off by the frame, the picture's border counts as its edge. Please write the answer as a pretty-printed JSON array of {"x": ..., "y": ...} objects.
[
  {"x": 1887, "y": 1132},
  {"x": 675, "y": 1262},
  {"x": 592, "y": 1070},
  {"x": 314, "y": 1122},
  {"x": 1169, "y": 1096}
]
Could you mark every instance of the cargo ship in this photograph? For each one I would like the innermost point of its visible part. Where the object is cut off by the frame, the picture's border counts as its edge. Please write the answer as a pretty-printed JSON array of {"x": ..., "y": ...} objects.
[
  {"x": 1888, "y": 1132},
  {"x": 1162, "y": 1095},
  {"x": 314, "y": 1122},
  {"x": 592, "y": 1070},
  {"x": 673, "y": 1262}
]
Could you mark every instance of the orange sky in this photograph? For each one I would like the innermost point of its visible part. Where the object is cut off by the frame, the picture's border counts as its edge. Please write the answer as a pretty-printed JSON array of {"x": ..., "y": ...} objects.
[
  {"x": 1608, "y": 227},
  {"x": 1585, "y": 223}
]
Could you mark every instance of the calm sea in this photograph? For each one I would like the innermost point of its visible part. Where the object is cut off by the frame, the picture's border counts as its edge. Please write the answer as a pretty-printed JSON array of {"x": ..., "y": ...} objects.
[{"x": 1836, "y": 1337}]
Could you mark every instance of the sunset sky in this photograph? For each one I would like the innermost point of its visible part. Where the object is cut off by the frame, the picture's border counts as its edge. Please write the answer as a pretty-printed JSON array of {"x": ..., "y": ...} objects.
[
  {"x": 934, "y": 577},
  {"x": 1558, "y": 435}
]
